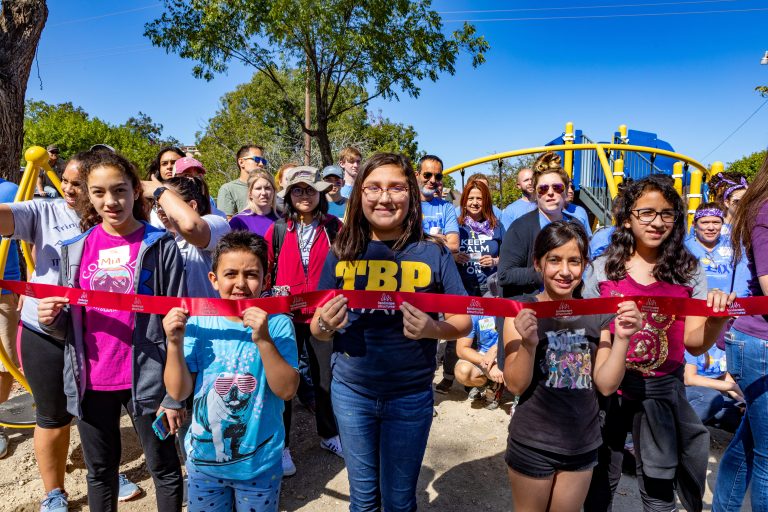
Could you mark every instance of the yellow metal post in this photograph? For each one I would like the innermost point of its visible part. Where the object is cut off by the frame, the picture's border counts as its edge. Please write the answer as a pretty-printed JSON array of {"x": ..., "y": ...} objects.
[
  {"x": 677, "y": 175},
  {"x": 694, "y": 196},
  {"x": 618, "y": 172},
  {"x": 568, "y": 138},
  {"x": 612, "y": 188},
  {"x": 624, "y": 139}
]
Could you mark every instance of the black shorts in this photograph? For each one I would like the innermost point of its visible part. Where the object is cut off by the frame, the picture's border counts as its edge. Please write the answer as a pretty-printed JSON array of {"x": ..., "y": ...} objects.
[{"x": 537, "y": 463}]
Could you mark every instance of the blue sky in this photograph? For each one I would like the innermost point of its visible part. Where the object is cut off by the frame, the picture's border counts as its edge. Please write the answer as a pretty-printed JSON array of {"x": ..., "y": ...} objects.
[{"x": 690, "y": 78}]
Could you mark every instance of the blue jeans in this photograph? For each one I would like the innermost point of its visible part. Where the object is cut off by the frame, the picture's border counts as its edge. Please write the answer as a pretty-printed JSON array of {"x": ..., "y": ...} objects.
[
  {"x": 211, "y": 494},
  {"x": 745, "y": 460},
  {"x": 714, "y": 408},
  {"x": 384, "y": 443}
]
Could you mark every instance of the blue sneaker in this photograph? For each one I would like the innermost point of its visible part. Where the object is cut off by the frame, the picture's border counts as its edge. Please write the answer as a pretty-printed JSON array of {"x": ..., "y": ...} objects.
[
  {"x": 128, "y": 490},
  {"x": 55, "y": 501}
]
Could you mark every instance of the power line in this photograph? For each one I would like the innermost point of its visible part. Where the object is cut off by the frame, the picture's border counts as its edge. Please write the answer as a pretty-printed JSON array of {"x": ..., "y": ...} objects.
[
  {"x": 581, "y": 7},
  {"x": 604, "y": 16},
  {"x": 736, "y": 130},
  {"x": 107, "y": 15}
]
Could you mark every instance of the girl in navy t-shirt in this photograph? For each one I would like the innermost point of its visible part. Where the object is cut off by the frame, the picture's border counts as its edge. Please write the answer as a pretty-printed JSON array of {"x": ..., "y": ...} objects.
[
  {"x": 384, "y": 358},
  {"x": 556, "y": 365}
]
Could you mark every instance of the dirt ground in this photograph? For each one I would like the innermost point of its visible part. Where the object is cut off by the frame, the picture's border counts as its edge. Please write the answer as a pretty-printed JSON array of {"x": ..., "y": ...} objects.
[{"x": 463, "y": 468}]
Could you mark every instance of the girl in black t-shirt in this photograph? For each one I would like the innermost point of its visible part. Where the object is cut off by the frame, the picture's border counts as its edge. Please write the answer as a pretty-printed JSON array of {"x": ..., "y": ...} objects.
[{"x": 554, "y": 433}]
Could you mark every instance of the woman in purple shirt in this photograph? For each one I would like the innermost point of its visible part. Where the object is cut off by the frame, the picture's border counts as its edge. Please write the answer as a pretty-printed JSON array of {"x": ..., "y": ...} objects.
[
  {"x": 260, "y": 213},
  {"x": 746, "y": 346}
]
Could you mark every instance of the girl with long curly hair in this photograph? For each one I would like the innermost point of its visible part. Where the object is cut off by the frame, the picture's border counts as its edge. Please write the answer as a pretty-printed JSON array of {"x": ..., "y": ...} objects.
[{"x": 647, "y": 257}]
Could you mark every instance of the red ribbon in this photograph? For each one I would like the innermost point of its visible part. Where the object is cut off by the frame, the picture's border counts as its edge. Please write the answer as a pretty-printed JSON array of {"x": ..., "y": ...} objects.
[{"x": 428, "y": 302}]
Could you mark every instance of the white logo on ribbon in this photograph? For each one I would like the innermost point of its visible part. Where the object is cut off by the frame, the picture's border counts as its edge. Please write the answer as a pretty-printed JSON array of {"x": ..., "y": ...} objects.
[
  {"x": 83, "y": 299},
  {"x": 564, "y": 309},
  {"x": 650, "y": 306},
  {"x": 386, "y": 302},
  {"x": 298, "y": 303},
  {"x": 137, "y": 305},
  {"x": 475, "y": 308}
]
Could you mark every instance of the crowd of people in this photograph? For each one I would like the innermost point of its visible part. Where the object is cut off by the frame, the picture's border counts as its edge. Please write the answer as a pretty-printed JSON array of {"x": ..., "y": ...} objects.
[{"x": 210, "y": 397}]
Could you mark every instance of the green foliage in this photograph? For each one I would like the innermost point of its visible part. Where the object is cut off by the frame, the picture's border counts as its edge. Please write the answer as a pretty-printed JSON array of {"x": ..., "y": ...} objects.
[
  {"x": 382, "y": 46},
  {"x": 252, "y": 114},
  {"x": 509, "y": 169},
  {"x": 748, "y": 165},
  {"x": 73, "y": 130},
  {"x": 763, "y": 90}
]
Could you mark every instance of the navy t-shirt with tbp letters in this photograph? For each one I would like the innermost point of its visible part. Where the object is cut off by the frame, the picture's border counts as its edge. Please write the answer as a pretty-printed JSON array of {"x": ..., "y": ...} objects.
[{"x": 372, "y": 355}]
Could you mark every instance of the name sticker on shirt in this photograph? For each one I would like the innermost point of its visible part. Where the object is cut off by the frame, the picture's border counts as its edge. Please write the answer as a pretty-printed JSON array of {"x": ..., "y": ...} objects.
[
  {"x": 114, "y": 257},
  {"x": 486, "y": 324}
]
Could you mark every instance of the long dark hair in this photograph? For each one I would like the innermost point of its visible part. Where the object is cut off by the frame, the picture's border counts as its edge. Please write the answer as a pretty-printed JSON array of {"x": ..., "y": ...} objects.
[
  {"x": 100, "y": 158},
  {"x": 189, "y": 188},
  {"x": 487, "y": 209},
  {"x": 154, "y": 166},
  {"x": 674, "y": 264},
  {"x": 749, "y": 206},
  {"x": 353, "y": 239},
  {"x": 319, "y": 213}
]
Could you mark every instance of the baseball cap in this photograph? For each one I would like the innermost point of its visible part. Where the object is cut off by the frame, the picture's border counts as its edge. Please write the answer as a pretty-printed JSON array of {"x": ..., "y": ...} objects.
[
  {"x": 333, "y": 170},
  {"x": 102, "y": 147},
  {"x": 53, "y": 148},
  {"x": 183, "y": 164},
  {"x": 304, "y": 174}
]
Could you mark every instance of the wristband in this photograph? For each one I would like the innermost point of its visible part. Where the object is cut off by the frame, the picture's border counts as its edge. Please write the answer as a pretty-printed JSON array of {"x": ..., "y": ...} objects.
[
  {"x": 158, "y": 192},
  {"x": 323, "y": 326}
]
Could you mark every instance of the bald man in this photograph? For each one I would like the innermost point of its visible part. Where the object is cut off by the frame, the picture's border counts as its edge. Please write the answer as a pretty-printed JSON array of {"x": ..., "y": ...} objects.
[{"x": 527, "y": 203}]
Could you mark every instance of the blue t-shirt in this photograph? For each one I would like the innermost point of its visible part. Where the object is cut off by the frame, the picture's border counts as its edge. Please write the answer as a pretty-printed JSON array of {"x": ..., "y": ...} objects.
[
  {"x": 579, "y": 213},
  {"x": 718, "y": 265},
  {"x": 516, "y": 210},
  {"x": 711, "y": 365},
  {"x": 12, "y": 271},
  {"x": 338, "y": 208},
  {"x": 346, "y": 191},
  {"x": 439, "y": 213},
  {"x": 474, "y": 276},
  {"x": 484, "y": 334},
  {"x": 372, "y": 355},
  {"x": 600, "y": 241},
  {"x": 237, "y": 421}
]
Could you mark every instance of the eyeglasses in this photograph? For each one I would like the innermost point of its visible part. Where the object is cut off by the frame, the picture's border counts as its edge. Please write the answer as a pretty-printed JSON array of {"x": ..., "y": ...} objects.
[
  {"x": 374, "y": 192},
  {"x": 303, "y": 191},
  {"x": 648, "y": 215},
  {"x": 245, "y": 383},
  {"x": 428, "y": 176},
  {"x": 557, "y": 188},
  {"x": 258, "y": 160}
]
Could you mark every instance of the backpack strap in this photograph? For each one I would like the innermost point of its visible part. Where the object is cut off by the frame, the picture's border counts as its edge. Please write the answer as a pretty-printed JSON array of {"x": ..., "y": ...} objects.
[{"x": 280, "y": 228}]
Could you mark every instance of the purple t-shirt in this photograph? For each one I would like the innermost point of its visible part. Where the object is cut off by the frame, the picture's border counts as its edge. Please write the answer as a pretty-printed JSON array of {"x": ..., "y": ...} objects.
[
  {"x": 757, "y": 263},
  {"x": 253, "y": 222},
  {"x": 109, "y": 264}
]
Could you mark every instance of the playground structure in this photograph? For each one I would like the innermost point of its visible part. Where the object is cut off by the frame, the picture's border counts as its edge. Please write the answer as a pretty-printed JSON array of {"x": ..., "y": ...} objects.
[
  {"x": 596, "y": 168},
  {"x": 15, "y": 412}
]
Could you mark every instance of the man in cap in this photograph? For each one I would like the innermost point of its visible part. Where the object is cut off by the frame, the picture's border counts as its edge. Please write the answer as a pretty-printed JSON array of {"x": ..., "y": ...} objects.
[
  {"x": 337, "y": 204},
  {"x": 45, "y": 186}
]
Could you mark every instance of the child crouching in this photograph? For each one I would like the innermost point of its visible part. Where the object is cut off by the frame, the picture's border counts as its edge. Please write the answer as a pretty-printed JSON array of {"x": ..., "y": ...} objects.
[{"x": 241, "y": 370}]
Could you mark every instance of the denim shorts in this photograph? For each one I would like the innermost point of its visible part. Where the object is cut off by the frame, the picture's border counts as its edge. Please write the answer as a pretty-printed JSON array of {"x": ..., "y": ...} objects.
[{"x": 537, "y": 463}]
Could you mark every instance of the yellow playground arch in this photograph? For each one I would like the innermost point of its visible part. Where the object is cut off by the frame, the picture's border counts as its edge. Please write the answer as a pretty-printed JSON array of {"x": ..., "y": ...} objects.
[{"x": 610, "y": 158}]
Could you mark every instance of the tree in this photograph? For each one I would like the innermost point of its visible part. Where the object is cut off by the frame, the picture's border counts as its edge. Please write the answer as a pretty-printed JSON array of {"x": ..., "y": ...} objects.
[
  {"x": 21, "y": 24},
  {"x": 387, "y": 45},
  {"x": 73, "y": 130},
  {"x": 509, "y": 169},
  {"x": 748, "y": 165},
  {"x": 251, "y": 114}
]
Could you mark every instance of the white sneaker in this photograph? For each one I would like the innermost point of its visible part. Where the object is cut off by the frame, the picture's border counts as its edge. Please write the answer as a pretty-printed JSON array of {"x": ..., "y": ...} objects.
[
  {"x": 289, "y": 468},
  {"x": 333, "y": 445}
]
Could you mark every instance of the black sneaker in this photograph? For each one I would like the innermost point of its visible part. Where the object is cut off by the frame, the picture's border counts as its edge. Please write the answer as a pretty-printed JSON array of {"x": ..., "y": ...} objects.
[
  {"x": 444, "y": 386},
  {"x": 476, "y": 394}
]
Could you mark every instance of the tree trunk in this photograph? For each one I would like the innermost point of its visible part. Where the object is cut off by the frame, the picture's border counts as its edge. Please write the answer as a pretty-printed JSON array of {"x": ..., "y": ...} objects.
[
  {"x": 21, "y": 24},
  {"x": 324, "y": 142}
]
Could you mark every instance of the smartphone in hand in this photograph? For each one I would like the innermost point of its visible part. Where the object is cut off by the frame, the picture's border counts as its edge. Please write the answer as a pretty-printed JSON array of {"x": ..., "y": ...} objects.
[{"x": 161, "y": 427}]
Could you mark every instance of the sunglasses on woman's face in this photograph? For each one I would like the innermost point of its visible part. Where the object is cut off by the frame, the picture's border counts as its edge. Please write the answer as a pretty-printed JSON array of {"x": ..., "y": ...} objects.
[{"x": 557, "y": 188}]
